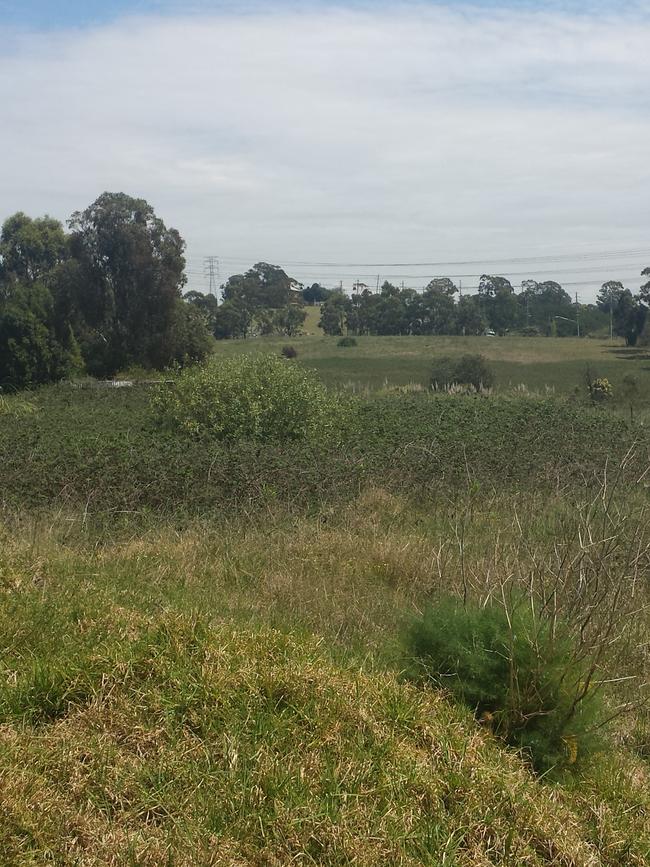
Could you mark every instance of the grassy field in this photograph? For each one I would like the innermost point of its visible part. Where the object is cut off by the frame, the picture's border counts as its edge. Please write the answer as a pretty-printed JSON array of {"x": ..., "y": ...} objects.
[
  {"x": 536, "y": 362},
  {"x": 202, "y": 656},
  {"x": 229, "y": 694}
]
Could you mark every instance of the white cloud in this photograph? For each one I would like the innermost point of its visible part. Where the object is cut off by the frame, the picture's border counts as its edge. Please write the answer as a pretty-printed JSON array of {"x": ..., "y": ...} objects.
[{"x": 398, "y": 134}]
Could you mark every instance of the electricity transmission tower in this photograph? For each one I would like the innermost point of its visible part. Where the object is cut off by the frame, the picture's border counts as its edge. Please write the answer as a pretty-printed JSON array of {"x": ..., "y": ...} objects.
[{"x": 211, "y": 272}]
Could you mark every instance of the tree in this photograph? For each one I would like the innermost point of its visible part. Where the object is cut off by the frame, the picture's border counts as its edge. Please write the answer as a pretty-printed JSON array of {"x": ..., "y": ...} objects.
[
  {"x": 469, "y": 319},
  {"x": 191, "y": 340},
  {"x": 629, "y": 317},
  {"x": 30, "y": 248},
  {"x": 315, "y": 294},
  {"x": 289, "y": 320},
  {"x": 132, "y": 272},
  {"x": 263, "y": 285},
  {"x": 31, "y": 352},
  {"x": 645, "y": 289},
  {"x": 206, "y": 304},
  {"x": 437, "y": 310},
  {"x": 443, "y": 285},
  {"x": 490, "y": 285},
  {"x": 233, "y": 320},
  {"x": 609, "y": 295},
  {"x": 542, "y": 303},
  {"x": 333, "y": 313}
]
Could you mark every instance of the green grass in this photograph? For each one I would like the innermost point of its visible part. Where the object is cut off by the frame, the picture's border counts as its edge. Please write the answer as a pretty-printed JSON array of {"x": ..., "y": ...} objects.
[{"x": 538, "y": 363}]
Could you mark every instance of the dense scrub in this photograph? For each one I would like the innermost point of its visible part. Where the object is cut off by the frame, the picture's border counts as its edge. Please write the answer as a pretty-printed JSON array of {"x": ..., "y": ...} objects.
[{"x": 102, "y": 449}]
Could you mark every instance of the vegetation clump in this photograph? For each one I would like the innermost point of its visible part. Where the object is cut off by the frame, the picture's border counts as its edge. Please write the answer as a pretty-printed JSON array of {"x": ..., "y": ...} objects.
[
  {"x": 346, "y": 342},
  {"x": 600, "y": 390},
  {"x": 473, "y": 371},
  {"x": 289, "y": 352},
  {"x": 517, "y": 672},
  {"x": 250, "y": 397}
]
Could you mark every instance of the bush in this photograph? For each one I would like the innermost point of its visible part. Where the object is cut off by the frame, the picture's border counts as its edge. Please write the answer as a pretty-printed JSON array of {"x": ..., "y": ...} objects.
[
  {"x": 253, "y": 397},
  {"x": 346, "y": 341},
  {"x": 600, "y": 390},
  {"x": 289, "y": 352},
  {"x": 518, "y": 676},
  {"x": 468, "y": 370}
]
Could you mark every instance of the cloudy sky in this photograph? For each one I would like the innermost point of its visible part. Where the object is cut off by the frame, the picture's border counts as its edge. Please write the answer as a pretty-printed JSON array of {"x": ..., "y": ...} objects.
[{"x": 344, "y": 140}]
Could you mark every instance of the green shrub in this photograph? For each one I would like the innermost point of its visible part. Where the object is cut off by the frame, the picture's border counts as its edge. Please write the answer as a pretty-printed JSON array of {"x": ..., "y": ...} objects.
[
  {"x": 346, "y": 342},
  {"x": 469, "y": 370},
  {"x": 252, "y": 397},
  {"x": 289, "y": 352},
  {"x": 517, "y": 675}
]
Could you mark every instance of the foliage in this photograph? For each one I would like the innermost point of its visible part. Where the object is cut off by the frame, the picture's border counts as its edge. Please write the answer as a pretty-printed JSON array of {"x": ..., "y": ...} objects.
[
  {"x": 346, "y": 342},
  {"x": 232, "y": 320},
  {"x": 33, "y": 351},
  {"x": 30, "y": 249},
  {"x": 99, "y": 447},
  {"x": 516, "y": 673},
  {"x": 289, "y": 320},
  {"x": 333, "y": 314},
  {"x": 131, "y": 270},
  {"x": 251, "y": 397},
  {"x": 207, "y": 304},
  {"x": 600, "y": 389},
  {"x": 289, "y": 352},
  {"x": 263, "y": 285},
  {"x": 469, "y": 370},
  {"x": 315, "y": 294},
  {"x": 189, "y": 340}
]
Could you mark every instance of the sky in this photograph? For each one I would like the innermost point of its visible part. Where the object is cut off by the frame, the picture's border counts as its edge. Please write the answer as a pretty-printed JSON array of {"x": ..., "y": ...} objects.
[{"x": 356, "y": 140}]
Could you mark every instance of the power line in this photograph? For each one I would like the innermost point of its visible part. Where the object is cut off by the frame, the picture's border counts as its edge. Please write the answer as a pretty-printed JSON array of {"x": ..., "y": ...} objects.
[{"x": 518, "y": 260}]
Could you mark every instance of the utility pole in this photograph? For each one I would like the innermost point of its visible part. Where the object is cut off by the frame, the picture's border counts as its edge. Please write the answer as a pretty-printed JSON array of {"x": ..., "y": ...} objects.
[
  {"x": 211, "y": 271},
  {"x": 378, "y": 282},
  {"x": 577, "y": 314}
]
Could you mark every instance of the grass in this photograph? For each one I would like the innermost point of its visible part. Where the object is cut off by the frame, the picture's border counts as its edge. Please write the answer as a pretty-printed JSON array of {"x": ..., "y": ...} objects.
[
  {"x": 230, "y": 694},
  {"x": 539, "y": 363}
]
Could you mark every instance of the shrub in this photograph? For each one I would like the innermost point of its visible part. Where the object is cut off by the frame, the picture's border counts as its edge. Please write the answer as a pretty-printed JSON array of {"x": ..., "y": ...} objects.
[
  {"x": 518, "y": 676},
  {"x": 468, "y": 370},
  {"x": 253, "y": 397},
  {"x": 600, "y": 390},
  {"x": 289, "y": 352},
  {"x": 346, "y": 342}
]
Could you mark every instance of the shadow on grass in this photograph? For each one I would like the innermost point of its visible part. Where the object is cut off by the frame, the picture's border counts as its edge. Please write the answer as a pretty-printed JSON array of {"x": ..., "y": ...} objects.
[{"x": 631, "y": 353}]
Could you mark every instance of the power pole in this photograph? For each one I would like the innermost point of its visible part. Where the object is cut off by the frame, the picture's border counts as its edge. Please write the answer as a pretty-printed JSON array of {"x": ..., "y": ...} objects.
[
  {"x": 577, "y": 314},
  {"x": 211, "y": 271}
]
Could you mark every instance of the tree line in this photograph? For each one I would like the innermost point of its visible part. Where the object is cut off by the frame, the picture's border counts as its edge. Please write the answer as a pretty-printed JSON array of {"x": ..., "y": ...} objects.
[{"x": 543, "y": 308}]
